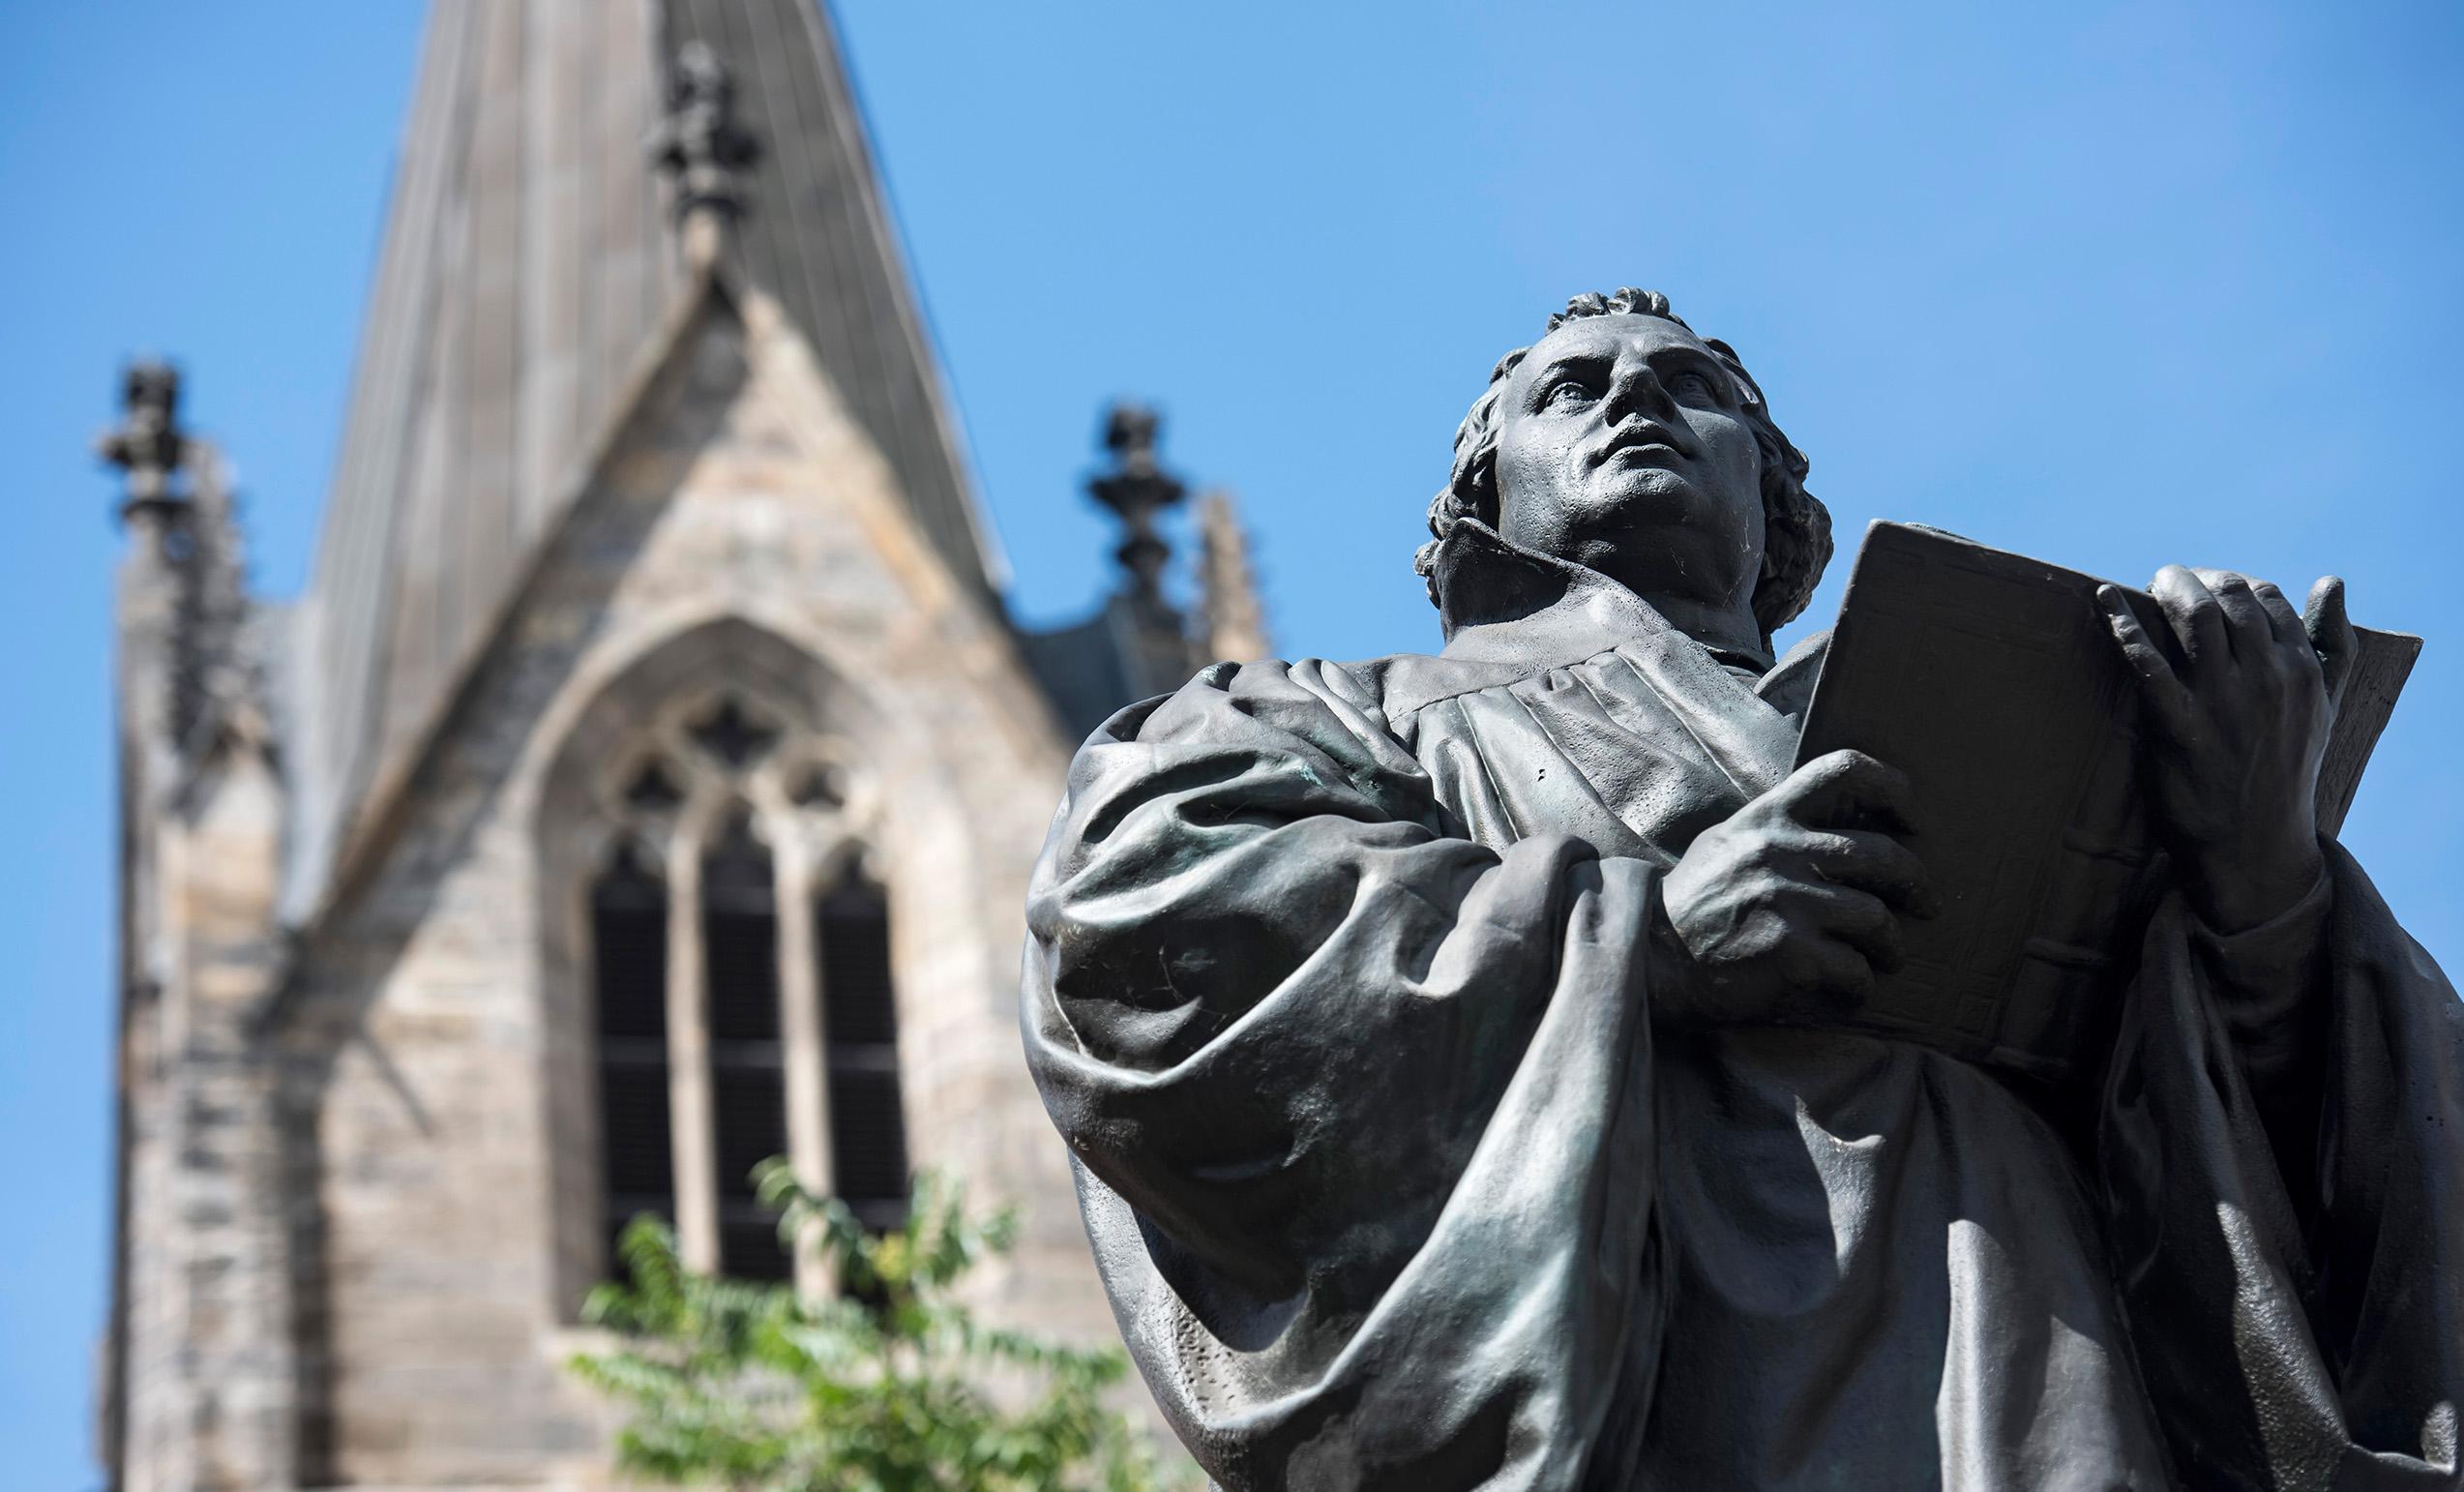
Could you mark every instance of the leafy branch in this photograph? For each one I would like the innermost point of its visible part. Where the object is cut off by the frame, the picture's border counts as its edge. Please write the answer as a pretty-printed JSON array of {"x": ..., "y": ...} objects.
[{"x": 887, "y": 1385}]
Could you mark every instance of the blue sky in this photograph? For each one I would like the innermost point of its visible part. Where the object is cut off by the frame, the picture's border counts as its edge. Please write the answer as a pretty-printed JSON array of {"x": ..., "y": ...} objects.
[{"x": 2114, "y": 284}]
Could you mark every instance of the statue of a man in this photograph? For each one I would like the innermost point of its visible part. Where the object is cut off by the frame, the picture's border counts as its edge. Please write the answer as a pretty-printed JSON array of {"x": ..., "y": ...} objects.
[{"x": 1443, "y": 1041}]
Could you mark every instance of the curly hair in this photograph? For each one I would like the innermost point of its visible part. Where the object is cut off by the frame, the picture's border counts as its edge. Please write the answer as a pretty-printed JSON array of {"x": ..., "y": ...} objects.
[{"x": 1796, "y": 528}]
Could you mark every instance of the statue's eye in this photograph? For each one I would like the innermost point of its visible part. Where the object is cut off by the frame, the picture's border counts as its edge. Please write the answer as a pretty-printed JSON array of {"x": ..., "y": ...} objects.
[
  {"x": 1694, "y": 387},
  {"x": 1569, "y": 394}
]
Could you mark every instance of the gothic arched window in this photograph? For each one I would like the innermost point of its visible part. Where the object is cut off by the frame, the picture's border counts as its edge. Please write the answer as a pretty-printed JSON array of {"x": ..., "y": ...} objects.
[
  {"x": 860, "y": 1027},
  {"x": 629, "y": 973},
  {"x": 745, "y": 999}
]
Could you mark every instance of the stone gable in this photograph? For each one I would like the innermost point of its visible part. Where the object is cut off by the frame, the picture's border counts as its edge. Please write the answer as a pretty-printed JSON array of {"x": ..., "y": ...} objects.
[{"x": 438, "y": 1127}]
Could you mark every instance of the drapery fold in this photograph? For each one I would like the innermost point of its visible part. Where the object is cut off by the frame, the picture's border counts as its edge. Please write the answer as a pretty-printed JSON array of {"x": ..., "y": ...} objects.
[
  {"x": 1363, "y": 1109},
  {"x": 2299, "y": 1330}
]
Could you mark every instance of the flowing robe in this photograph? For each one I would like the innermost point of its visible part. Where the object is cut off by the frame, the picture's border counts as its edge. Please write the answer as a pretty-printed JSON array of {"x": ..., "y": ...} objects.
[{"x": 1336, "y": 987}]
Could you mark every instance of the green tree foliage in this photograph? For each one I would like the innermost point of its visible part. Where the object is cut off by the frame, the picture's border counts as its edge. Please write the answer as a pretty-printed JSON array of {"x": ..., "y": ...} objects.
[{"x": 888, "y": 1387}]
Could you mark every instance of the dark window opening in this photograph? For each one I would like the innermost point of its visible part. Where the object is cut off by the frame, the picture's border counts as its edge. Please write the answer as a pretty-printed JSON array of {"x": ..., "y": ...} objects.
[
  {"x": 868, "y": 1124},
  {"x": 820, "y": 787},
  {"x": 653, "y": 788},
  {"x": 740, "y": 963},
  {"x": 733, "y": 736},
  {"x": 629, "y": 978}
]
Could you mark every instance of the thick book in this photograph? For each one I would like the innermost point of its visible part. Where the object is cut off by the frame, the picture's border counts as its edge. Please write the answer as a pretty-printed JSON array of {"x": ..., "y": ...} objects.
[{"x": 1994, "y": 682}]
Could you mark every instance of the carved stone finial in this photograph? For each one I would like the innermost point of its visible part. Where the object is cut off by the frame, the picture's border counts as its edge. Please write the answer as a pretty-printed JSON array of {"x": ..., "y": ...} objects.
[
  {"x": 700, "y": 143},
  {"x": 1138, "y": 488},
  {"x": 183, "y": 597},
  {"x": 149, "y": 446}
]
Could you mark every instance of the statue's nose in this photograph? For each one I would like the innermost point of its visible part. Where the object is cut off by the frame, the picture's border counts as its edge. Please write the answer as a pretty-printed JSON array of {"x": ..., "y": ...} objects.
[{"x": 1635, "y": 387}]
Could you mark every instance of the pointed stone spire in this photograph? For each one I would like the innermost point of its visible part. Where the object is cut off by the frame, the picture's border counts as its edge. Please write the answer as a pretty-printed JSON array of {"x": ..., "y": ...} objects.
[
  {"x": 702, "y": 148},
  {"x": 529, "y": 267},
  {"x": 1233, "y": 618},
  {"x": 1138, "y": 488}
]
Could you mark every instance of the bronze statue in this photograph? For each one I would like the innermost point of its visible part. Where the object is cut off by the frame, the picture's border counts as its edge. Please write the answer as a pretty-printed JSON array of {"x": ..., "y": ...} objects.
[{"x": 1454, "y": 1049}]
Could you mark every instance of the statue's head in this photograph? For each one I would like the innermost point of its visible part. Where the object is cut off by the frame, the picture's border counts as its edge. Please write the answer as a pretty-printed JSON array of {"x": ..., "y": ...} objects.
[{"x": 1622, "y": 441}]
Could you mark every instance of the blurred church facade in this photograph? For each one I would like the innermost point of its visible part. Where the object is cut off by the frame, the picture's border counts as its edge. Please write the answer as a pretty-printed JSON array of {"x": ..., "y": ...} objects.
[{"x": 647, "y": 783}]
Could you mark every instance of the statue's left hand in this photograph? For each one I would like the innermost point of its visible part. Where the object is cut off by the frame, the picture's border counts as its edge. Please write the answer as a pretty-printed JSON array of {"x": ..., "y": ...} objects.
[{"x": 2237, "y": 729}]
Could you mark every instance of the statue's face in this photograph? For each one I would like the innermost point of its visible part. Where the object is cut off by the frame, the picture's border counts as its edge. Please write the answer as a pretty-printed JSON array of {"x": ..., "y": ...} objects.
[{"x": 1624, "y": 446}]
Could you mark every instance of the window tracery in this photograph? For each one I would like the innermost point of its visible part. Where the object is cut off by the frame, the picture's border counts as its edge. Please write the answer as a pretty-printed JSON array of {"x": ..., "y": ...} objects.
[{"x": 741, "y": 938}]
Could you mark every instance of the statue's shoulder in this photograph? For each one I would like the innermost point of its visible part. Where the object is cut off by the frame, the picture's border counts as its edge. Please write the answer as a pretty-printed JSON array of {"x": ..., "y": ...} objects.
[
  {"x": 1247, "y": 690},
  {"x": 1371, "y": 695},
  {"x": 1401, "y": 685},
  {"x": 1408, "y": 683},
  {"x": 1392, "y": 688},
  {"x": 1363, "y": 684},
  {"x": 1397, "y": 686}
]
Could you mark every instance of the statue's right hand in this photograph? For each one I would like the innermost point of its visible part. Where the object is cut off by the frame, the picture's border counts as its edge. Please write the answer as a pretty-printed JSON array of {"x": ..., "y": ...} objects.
[{"x": 1783, "y": 912}]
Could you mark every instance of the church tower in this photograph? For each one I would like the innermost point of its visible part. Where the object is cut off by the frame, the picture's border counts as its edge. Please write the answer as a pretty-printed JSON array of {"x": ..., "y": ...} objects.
[{"x": 646, "y": 784}]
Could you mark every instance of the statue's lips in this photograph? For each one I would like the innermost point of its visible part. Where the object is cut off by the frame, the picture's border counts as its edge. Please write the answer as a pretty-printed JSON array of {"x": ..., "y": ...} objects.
[
  {"x": 1645, "y": 444},
  {"x": 1642, "y": 453}
]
